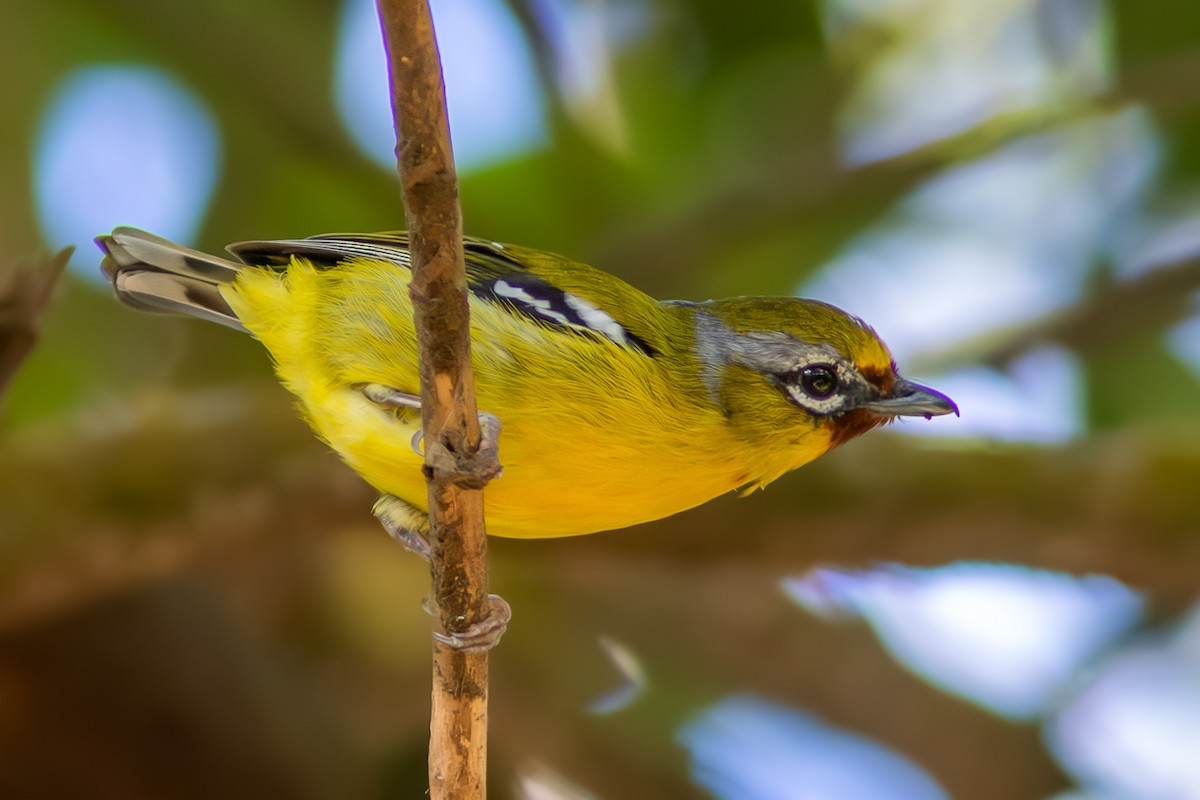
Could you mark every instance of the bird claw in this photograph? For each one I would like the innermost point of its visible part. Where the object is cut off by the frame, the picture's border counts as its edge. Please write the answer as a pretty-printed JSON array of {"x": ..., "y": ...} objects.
[
  {"x": 466, "y": 470},
  {"x": 473, "y": 470},
  {"x": 410, "y": 526},
  {"x": 389, "y": 396},
  {"x": 405, "y": 523},
  {"x": 483, "y": 635}
]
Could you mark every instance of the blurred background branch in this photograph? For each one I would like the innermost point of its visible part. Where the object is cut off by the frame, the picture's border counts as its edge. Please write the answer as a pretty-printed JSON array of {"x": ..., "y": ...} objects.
[
  {"x": 1121, "y": 506},
  {"x": 1115, "y": 312},
  {"x": 1009, "y": 192},
  {"x": 25, "y": 291}
]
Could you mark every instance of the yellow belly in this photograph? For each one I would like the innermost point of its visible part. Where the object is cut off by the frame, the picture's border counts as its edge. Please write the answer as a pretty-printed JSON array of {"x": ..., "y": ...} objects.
[{"x": 557, "y": 481}]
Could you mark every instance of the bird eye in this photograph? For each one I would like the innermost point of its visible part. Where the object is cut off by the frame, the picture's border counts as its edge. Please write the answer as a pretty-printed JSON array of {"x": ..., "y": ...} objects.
[{"x": 818, "y": 381}]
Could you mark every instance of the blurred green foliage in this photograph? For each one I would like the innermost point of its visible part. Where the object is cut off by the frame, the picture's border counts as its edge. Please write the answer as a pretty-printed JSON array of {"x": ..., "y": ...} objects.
[{"x": 153, "y": 479}]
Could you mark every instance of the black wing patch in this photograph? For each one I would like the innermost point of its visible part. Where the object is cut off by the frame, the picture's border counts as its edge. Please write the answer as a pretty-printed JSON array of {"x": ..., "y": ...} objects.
[{"x": 527, "y": 294}]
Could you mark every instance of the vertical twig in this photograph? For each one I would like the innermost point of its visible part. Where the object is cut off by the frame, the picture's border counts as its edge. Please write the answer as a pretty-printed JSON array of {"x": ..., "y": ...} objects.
[{"x": 458, "y": 726}]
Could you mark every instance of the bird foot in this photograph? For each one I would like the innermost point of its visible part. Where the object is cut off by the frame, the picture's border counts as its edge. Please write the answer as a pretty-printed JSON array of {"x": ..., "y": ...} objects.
[
  {"x": 389, "y": 396},
  {"x": 405, "y": 523},
  {"x": 469, "y": 470},
  {"x": 409, "y": 525},
  {"x": 483, "y": 635},
  {"x": 466, "y": 470}
]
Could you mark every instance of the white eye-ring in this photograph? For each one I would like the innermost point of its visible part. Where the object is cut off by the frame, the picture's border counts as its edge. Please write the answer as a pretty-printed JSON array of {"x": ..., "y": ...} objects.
[
  {"x": 819, "y": 386},
  {"x": 830, "y": 405}
]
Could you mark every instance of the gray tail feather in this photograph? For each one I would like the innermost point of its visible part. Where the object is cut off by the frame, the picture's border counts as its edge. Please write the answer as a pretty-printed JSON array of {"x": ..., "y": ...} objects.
[{"x": 153, "y": 274}]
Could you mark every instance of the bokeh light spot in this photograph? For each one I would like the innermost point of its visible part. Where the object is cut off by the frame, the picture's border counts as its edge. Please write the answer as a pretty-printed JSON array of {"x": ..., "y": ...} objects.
[
  {"x": 123, "y": 145},
  {"x": 492, "y": 93},
  {"x": 1184, "y": 341},
  {"x": 747, "y": 748},
  {"x": 1039, "y": 398},
  {"x": 1003, "y": 636},
  {"x": 1133, "y": 730}
]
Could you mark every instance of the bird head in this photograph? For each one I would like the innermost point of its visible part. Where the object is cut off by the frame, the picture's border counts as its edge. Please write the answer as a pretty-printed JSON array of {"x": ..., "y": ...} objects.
[{"x": 788, "y": 364}]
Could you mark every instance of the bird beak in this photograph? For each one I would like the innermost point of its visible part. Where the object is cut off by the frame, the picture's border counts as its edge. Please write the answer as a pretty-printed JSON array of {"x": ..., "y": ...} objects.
[{"x": 908, "y": 399}]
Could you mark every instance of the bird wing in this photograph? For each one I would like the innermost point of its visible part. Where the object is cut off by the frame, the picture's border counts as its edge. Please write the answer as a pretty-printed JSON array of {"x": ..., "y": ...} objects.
[{"x": 550, "y": 290}]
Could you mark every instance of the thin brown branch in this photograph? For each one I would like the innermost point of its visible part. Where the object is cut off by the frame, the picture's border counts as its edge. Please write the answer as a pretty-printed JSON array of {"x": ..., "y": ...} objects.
[
  {"x": 458, "y": 728},
  {"x": 24, "y": 295}
]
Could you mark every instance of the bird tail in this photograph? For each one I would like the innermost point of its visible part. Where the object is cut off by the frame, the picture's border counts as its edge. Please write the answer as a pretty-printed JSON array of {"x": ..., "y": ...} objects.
[{"x": 153, "y": 274}]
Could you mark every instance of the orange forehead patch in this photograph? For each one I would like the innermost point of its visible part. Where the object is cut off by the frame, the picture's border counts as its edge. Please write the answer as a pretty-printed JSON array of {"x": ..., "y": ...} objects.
[{"x": 882, "y": 378}]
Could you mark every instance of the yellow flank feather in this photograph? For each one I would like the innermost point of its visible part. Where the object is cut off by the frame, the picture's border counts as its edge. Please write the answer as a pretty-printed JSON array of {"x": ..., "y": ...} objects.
[{"x": 615, "y": 409}]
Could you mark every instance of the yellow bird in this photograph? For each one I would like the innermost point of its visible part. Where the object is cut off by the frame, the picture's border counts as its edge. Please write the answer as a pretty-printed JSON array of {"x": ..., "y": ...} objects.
[{"x": 616, "y": 408}]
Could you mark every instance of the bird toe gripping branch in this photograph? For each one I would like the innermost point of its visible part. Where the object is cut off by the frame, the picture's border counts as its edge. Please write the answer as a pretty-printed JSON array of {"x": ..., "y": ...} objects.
[
  {"x": 468, "y": 470},
  {"x": 483, "y": 635}
]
